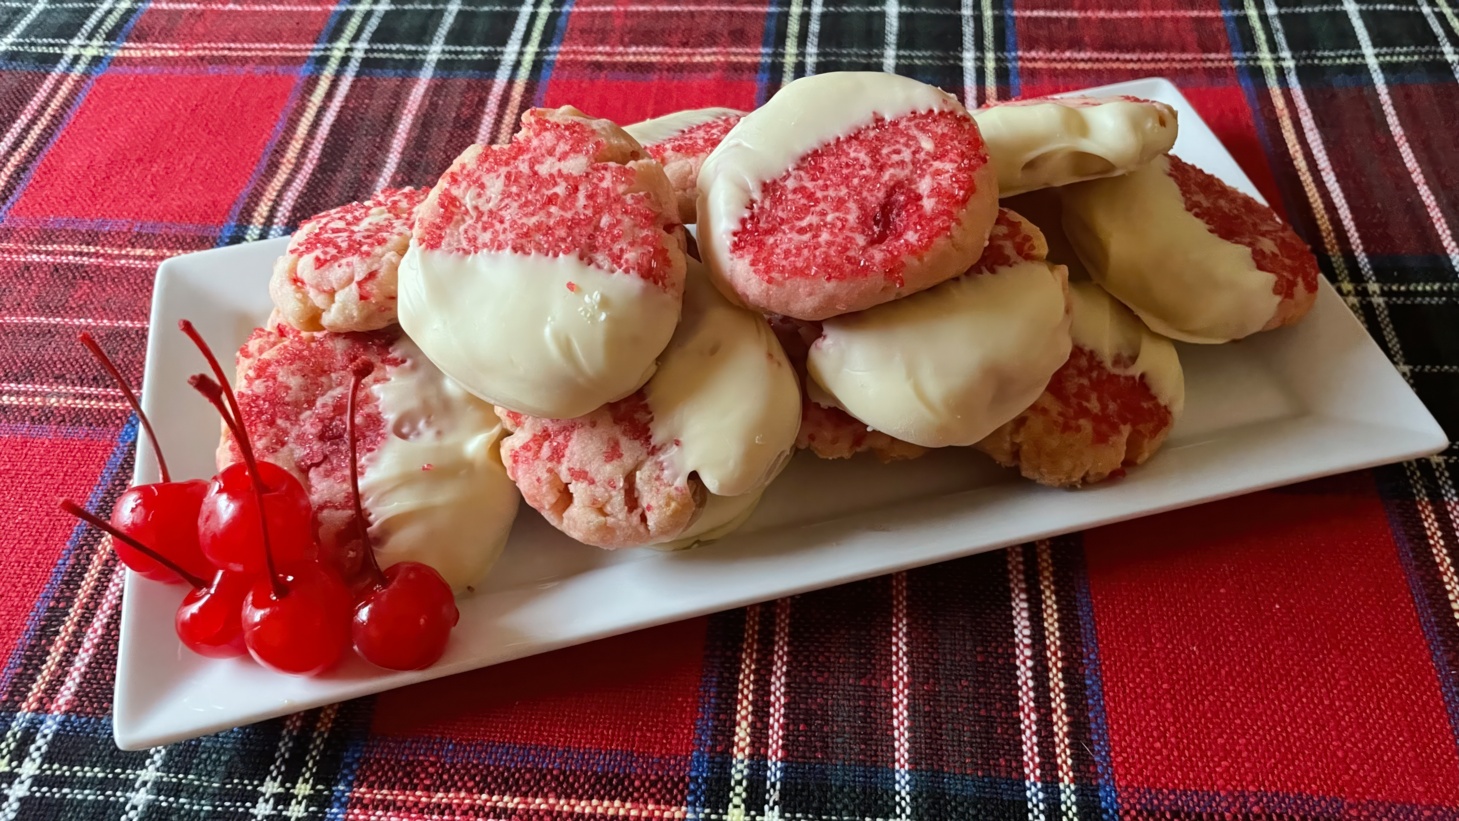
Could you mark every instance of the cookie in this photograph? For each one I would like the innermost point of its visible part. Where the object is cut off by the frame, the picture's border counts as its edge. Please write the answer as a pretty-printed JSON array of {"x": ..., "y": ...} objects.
[
  {"x": 682, "y": 460},
  {"x": 1196, "y": 259},
  {"x": 432, "y": 483},
  {"x": 546, "y": 275},
  {"x": 826, "y": 430},
  {"x": 946, "y": 367},
  {"x": 680, "y": 142},
  {"x": 1048, "y": 142},
  {"x": 339, "y": 271},
  {"x": 845, "y": 191},
  {"x": 1108, "y": 408}
]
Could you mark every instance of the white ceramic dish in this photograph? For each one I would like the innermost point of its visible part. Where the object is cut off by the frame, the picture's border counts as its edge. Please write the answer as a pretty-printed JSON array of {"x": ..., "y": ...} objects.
[{"x": 1282, "y": 407}]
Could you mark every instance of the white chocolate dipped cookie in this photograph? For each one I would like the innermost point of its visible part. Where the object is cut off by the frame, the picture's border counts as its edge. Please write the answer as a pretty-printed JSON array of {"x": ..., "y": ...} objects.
[
  {"x": 685, "y": 458},
  {"x": 681, "y": 142},
  {"x": 1049, "y": 142},
  {"x": 432, "y": 484},
  {"x": 1108, "y": 408},
  {"x": 825, "y": 429},
  {"x": 1198, "y": 260},
  {"x": 545, "y": 275},
  {"x": 845, "y": 191},
  {"x": 947, "y": 366}
]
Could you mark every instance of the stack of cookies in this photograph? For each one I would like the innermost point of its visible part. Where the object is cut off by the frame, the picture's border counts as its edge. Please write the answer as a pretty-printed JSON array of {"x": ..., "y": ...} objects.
[{"x": 548, "y": 327}]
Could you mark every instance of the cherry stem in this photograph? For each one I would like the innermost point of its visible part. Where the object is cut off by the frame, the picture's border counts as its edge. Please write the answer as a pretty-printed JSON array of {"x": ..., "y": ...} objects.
[
  {"x": 106, "y": 527},
  {"x": 116, "y": 375},
  {"x": 218, "y": 374},
  {"x": 214, "y": 394},
  {"x": 358, "y": 372}
]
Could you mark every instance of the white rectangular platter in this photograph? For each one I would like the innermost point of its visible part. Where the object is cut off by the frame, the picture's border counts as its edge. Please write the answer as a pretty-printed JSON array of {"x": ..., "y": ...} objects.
[{"x": 1282, "y": 407}]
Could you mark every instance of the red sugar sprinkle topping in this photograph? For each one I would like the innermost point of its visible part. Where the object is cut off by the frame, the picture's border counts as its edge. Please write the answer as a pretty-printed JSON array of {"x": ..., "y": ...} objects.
[
  {"x": 553, "y": 440},
  {"x": 572, "y": 287},
  {"x": 1235, "y": 217},
  {"x": 293, "y": 391},
  {"x": 1109, "y": 401},
  {"x": 694, "y": 141},
  {"x": 1009, "y": 243},
  {"x": 547, "y": 192},
  {"x": 858, "y": 206},
  {"x": 356, "y": 231}
]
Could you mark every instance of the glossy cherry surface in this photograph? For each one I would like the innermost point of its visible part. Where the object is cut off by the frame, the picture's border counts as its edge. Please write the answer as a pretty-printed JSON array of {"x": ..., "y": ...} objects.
[
  {"x": 210, "y": 619},
  {"x": 229, "y": 525},
  {"x": 404, "y": 622},
  {"x": 163, "y": 516},
  {"x": 298, "y": 623}
]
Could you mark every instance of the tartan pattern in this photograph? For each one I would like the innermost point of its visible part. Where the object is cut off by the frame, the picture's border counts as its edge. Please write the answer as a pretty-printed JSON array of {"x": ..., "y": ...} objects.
[{"x": 1313, "y": 632}]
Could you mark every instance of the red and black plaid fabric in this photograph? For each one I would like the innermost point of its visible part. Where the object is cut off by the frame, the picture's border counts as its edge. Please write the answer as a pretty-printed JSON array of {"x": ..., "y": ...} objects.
[{"x": 1293, "y": 654}]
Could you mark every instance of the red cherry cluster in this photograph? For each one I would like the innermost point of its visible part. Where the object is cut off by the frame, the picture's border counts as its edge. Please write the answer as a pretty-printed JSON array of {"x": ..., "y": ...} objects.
[{"x": 245, "y": 543}]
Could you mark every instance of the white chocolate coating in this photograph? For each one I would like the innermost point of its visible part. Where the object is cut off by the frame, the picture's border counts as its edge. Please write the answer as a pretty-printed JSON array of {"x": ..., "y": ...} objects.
[
  {"x": 546, "y": 336},
  {"x": 947, "y": 366},
  {"x": 803, "y": 116},
  {"x": 662, "y": 128},
  {"x": 1139, "y": 242},
  {"x": 721, "y": 516},
  {"x": 435, "y": 489},
  {"x": 1053, "y": 143},
  {"x": 1122, "y": 342},
  {"x": 725, "y": 400}
]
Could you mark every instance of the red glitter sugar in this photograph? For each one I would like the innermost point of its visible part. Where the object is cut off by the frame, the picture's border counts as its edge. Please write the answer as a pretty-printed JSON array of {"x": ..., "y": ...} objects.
[
  {"x": 357, "y": 230},
  {"x": 293, "y": 391},
  {"x": 1235, "y": 217},
  {"x": 547, "y": 192},
  {"x": 860, "y": 205},
  {"x": 1110, "y": 402},
  {"x": 694, "y": 141},
  {"x": 1009, "y": 243}
]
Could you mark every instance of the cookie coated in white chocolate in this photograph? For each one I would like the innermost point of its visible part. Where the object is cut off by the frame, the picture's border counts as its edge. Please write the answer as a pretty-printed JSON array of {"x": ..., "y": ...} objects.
[
  {"x": 1054, "y": 142},
  {"x": 1138, "y": 240},
  {"x": 725, "y": 399},
  {"x": 947, "y": 366},
  {"x": 1109, "y": 330},
  {"x": 803, "y": 116},
  {"x": 435, "y": 489},
  {"x": 552, "y": 337}
]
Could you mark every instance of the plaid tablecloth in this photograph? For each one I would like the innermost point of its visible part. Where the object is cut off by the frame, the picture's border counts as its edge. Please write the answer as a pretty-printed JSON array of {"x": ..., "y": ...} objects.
[{"x": 1287, "y": 655}]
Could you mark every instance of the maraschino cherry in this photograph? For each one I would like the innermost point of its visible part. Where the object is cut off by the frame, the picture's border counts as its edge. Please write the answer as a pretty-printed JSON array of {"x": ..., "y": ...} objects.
[
  {"x": 209, "y": 622},
  {"x": 210, "y": 619},
  {"x": 295, "y": 613},
  {"x": 405, "y": 615},
  {"x": 230, "y": 518},
  {"x": 163, "y": 514}
]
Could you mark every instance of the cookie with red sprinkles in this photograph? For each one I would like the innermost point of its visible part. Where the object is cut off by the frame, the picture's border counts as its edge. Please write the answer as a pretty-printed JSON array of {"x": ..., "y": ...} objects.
[
  {"x": 1108, "y": 408},
  {"x": 946, "y": 367},
  {"x": 686, "y": 458},
  {"x": 433, "y": 487},
  {"x": 681, "y": 142},
  {"x": 826, "y": 430},
  {"x": 1196, "y": 259},
  {"x": 845, "y": 191},
  {"x": 339, "y": 271},
  {"x": 546, "y": 275}
]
